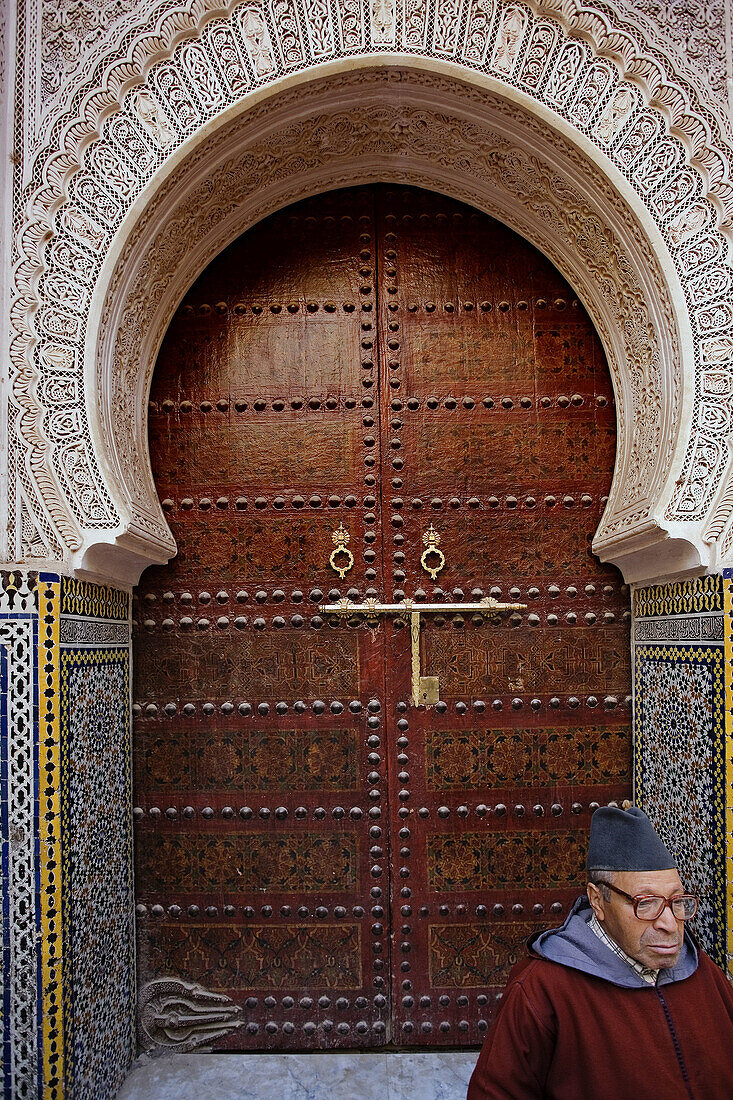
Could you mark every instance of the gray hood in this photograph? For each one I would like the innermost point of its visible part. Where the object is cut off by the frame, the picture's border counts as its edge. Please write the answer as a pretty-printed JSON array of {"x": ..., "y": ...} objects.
[{"x": 576, "y": 945}]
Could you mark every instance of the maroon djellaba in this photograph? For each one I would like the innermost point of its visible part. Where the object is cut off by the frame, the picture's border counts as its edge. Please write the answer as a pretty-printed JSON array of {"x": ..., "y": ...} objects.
[{"x": 585, "y": 1018}]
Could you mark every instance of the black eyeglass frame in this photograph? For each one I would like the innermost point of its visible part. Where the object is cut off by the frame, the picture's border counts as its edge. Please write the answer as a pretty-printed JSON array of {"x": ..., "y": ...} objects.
[{"x": 637, "y": 898}]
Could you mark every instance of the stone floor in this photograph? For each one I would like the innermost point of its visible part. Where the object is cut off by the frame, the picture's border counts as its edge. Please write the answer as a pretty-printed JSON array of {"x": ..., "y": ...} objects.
[{"x": 300, "y": 1077}]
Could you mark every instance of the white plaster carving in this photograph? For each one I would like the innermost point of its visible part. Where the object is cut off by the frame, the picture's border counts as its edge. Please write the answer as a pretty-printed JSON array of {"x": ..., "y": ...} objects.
[
  {"x": 320, "y": 29},
  {"x": 184, "y": 1015},
  {"x": 508, "y": 40},
  {"x": 284, "y": 13},
  {"x": 349, "y": 14},
  {"x": 338, "y": 142},
  {"x": 568, "y": 67},
  {"x": 414, "y": 24},
  {"x": 697, "y": 30},
  {"x": 383, "y": 18},
  {"x": 172, "y": 82},
  {"x": 478, "y": 30},
  {"x": 447, "y": 26},
  {"x": 85, "y": 229},
  {"x": 173, "y": 91},
  {"x": 153, "y": 119},
  {"x": 224, "y": 49},
  {"x": 538, "y": 54},
  {"x": 615, "y": 115},
  {"x": 71, "y": 28},
  {"x": 257, "y": 41},
  {"x": 688, "y": 223}
]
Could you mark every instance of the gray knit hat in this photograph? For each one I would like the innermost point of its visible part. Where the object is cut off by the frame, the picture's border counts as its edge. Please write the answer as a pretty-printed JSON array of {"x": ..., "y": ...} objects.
[{"x": 625, "y": 840}]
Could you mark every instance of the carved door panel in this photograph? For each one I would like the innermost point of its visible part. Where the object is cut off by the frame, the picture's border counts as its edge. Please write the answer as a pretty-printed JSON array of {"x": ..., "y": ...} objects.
[
  {"x": 258, "y": 722},
  {"x": 341, "y": 867},
  {"x": 499, "y": 433}
]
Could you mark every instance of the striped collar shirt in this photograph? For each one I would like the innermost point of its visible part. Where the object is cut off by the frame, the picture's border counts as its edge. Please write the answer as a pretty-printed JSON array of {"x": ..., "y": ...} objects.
[{"x": 645, "y": 973}]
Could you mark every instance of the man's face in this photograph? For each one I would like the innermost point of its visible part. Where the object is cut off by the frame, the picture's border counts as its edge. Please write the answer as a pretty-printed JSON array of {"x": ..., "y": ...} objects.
[{"x": 656, "y": 943}]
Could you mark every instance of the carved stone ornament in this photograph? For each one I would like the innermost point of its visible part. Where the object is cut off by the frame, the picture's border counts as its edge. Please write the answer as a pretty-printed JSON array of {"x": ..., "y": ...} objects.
[
  {"x": 172, "y": 148},
  {"x": 185, "y": 1016}
]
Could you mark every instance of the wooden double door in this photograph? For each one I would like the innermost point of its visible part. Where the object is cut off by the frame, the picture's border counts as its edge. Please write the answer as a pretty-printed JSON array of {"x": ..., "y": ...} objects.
[{"x": 351, "y": 869}]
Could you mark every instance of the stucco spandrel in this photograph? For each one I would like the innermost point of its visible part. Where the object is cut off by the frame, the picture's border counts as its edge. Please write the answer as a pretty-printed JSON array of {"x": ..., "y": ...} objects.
[{"x": 134, "y": 113}]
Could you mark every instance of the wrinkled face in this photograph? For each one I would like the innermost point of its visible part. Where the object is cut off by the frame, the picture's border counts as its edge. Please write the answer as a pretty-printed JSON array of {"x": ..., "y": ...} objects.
[{"x": 656, "y": 943}]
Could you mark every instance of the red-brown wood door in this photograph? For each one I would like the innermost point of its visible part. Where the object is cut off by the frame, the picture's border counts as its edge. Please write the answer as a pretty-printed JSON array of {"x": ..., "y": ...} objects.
[{"x": 352, "y": 870}]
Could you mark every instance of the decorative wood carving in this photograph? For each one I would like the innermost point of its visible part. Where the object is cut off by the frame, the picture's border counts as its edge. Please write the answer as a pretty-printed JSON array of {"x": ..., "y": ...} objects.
[{"x": 350, "y": 868}]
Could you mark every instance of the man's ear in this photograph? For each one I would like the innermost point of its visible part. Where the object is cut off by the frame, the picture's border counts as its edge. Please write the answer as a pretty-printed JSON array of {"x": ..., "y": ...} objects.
[{"x": 595, "y": 897}]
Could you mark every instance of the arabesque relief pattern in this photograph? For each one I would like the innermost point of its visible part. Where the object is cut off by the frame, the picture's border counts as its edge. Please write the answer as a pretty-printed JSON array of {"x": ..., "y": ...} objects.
[
  {"x": 338, "y": 137},
  {"x": 588, "y": 65},
  {"x": 76, "y": 34}
]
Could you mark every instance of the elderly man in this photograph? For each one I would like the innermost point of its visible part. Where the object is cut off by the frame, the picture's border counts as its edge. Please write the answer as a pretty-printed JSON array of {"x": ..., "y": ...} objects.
[{"x": 618, "y": 1002}]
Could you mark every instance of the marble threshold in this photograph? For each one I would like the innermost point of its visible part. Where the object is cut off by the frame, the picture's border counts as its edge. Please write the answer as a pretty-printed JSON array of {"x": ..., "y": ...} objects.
[{"x": 318, "y": 1076}]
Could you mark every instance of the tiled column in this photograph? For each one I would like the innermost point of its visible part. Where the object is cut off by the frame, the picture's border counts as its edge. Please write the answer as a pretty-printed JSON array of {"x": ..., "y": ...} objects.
[
  {"x": 68, "y": 973},
  {"x": 682, "y": 738},
  {"x": 68, "y": 995}
]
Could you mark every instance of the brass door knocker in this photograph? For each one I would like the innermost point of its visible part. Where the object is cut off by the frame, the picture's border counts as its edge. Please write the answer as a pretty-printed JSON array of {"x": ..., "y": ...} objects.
[
  {"x": 431, "y": 540},
  {"x": 341, "y": 539}
]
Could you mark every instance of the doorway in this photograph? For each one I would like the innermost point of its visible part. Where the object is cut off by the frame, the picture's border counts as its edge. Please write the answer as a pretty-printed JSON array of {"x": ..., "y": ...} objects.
[{"x": 376, "y": 395}]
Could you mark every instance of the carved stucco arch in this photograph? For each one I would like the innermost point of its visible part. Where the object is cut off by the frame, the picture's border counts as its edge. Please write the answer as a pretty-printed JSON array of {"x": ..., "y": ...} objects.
[
  {"x": 422, "y": 128},
  {"x": 179, "y": 186}
]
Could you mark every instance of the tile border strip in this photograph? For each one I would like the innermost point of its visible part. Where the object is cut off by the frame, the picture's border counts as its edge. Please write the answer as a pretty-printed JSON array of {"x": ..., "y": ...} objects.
[
  {"x": 728, "y": 676},
  {"x": 52, "y": 908}
]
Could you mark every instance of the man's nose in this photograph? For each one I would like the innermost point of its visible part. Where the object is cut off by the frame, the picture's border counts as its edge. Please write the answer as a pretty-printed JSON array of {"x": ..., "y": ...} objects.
[{"x": 666, "y": 921}]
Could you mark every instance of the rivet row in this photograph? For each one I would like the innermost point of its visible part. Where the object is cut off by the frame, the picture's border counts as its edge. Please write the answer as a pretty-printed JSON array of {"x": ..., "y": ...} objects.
[
  {"x": 246, "y": 813},
  {"x": 500, "y": 810},
  {"x": 509, "y": 502},
  {"x": 589, "y": 618},
  {"x": 222, "y": 622},
  {"x": 310, "y": 1028},
  {"x": 260, "y": 595},
  {"x": 502, "y": 305},
  {"x": 195, "y": 912},
  {"x": 316, "y": 595},
  {"x": 445, "y": 1026},
  {"x": 356, "y": 813},
  {"x": 517, "y": 703},
  {"x": 240, "y": 503},
  {"x": 340, "y": 912},
  {"x": 241, "y": 622},
  {"x": 333, "y": 402},
  {"x": 260, "y": 404},
  {"x": 317, "y": 706},
  {"x": 523, "y": 401},
  {"x": 246, "y": 710},
  {"x": 256, "y": 308}
]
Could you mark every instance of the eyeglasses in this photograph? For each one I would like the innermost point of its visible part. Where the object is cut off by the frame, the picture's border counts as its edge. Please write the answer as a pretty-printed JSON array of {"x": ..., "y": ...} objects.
[{"x": 651, "y": 906}]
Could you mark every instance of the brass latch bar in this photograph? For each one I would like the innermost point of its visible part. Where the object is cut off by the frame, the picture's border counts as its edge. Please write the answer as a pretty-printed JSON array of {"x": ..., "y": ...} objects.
[{"x": 425, "y": 689}]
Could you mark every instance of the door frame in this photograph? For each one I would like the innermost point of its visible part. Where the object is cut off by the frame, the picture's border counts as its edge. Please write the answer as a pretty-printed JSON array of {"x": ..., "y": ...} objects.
[{"x": 83, "y": 504}]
